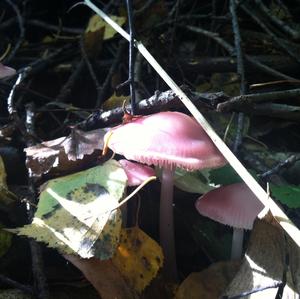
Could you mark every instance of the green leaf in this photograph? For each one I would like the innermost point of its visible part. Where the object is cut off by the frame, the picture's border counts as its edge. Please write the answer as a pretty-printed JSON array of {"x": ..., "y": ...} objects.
[
  {"x": 110, "y": 175},
  {"x": 225, "y": 175},
  {"x": 77, "y": 213},
  {"x": 192, "y": 181},
  {"x": 287, "y": 194}
]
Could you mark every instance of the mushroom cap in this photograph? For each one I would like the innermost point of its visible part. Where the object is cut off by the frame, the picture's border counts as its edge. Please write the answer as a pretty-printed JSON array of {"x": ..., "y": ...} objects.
[
  {"x": 234, "y": 205},
  {"x": 6, "y": 71},
  {"x": 166, "y": 139},
  {"x": 136, "y": 173}
]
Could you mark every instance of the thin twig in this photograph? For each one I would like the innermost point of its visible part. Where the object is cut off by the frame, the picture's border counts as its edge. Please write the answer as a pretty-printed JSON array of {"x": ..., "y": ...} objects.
[
  {"x": 40, "y": 284},
  {"x": 228, "y": 64},
  {"x": 22, "y": 32},
  {"x": 290, "y": 161},
  {"x": 111, "y": 72},
  {"x": 67, "y": 88},
  {"x": 91, "y": 70},
  {"x": 15, "y": 284},
  {"x": 240, "y": 71},
  {"x": 230, "y": 50},
  {"x": 249, "y": 99},
  {"x": 238, "y": 47},
  {"x": 24, "y": 89},
  {"x": 41, "y": 64},
  {"x": 282, "y": 25},
  {"x": 138, "y": 74},
  {"x": 143, "y": 8},
  {"x": 56, "y": 28},
  {"x": 270, "y": 33},
  {"x": 131, "y": 58}
]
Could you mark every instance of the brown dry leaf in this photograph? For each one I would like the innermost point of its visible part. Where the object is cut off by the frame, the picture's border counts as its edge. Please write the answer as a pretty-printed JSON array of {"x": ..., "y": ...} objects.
[
  {"x": 209, "y": 283},
  {"x": 138, "y": 258},
  {"x": 270, "y": 257},
  {"x": 104, "y": 276},
  {"x": 93, "y": 41},
  {"x": 80, "y": 143},
  {"x": 63, "y": 153}
]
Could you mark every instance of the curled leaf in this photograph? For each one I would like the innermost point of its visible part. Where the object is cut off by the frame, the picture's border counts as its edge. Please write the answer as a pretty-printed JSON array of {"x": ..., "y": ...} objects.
[{"x": 63, "y": 153}]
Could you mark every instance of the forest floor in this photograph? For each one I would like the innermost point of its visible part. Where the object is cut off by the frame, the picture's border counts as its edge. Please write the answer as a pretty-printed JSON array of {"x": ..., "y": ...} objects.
[{"x": 67, "y": 78}]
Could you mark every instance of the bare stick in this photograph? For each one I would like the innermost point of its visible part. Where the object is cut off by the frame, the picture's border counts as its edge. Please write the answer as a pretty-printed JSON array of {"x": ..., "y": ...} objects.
[
  {"x": 240, "y": 71},
  {"x": 249, "y": 99},
  {"x": 131, "y": 57}
]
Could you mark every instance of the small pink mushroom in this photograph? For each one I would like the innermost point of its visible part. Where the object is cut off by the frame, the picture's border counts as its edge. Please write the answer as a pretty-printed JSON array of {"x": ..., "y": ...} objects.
[
  {"x": 6, "y": 71},
  {"x": 136, "y": 173},
  {"x": 234, "y": 205},
  {"x": 169, "y": 140}
]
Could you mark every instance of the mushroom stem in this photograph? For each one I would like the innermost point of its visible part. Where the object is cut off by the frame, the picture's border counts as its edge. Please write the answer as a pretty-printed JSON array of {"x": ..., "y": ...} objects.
[
  {"x": 166, "y": 223},
  {"x": 237, "y": 243}
]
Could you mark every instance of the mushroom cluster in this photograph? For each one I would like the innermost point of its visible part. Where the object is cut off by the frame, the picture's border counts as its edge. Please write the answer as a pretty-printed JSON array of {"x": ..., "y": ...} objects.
[{"x": 167, "y": 140}]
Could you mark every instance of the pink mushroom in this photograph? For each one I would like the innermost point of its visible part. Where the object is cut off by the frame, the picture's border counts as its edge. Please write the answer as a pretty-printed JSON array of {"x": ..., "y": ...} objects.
[
  {"x": 136, "y": 173},
  {"x": 6, "y": 71},
  {"x": 234, "y": 205},
  {"x": 168, "y": 140}
]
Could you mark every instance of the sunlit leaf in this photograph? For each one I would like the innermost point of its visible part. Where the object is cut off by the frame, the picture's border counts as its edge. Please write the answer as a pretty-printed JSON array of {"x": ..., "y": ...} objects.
[
  {"x": 192, "y": 181},
  {"x": 271, "y": 262},
  {"x": 209, "y": 283},
  {"x": 287, "y": 194},
  {"x": 97, "y": 23},
  {"x": 138, "y": 258},
  {"x": 77, "y": 214}
]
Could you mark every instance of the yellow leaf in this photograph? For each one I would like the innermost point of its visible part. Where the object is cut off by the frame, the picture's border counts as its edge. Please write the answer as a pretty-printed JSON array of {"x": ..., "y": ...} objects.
[
  {"x": 209, "y": 283},
  {"x": 77, "y": 213},
  {"x": 138, "y": 258},
  {"x": 114, "y": 102},
  {"x": 96, "y": 23}
]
